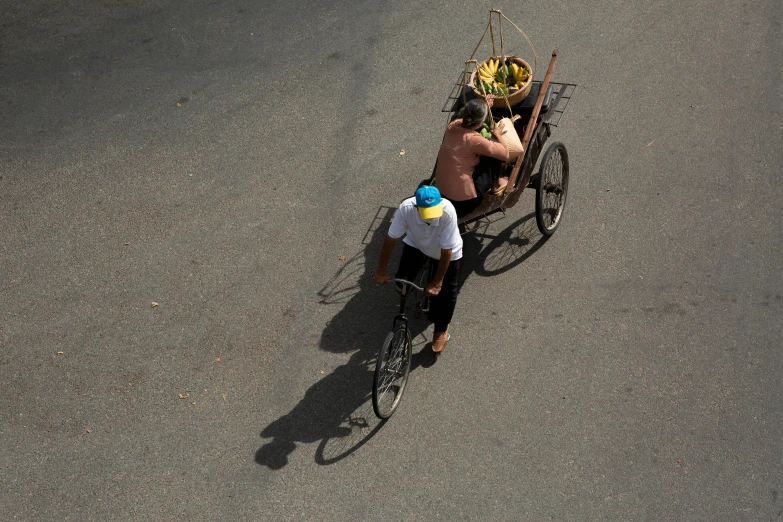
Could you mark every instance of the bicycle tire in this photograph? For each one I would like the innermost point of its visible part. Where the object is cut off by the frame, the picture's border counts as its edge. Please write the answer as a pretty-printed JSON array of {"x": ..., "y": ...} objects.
[
  {"x": 391, "y": 372},
  {"x": 552, "y": 189}
]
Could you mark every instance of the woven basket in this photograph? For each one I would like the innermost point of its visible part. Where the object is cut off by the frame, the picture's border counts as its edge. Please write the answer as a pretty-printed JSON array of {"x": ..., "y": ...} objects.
[{"x": 514, "y": 97}]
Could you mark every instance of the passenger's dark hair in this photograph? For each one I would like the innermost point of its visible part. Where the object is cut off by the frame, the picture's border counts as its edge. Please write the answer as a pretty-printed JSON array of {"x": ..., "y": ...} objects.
[{"x": 473, "y": 113}]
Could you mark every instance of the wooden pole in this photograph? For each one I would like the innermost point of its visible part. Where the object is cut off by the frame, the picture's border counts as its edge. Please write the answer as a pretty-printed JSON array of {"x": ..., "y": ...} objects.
[{"x": 531, "y": 124}]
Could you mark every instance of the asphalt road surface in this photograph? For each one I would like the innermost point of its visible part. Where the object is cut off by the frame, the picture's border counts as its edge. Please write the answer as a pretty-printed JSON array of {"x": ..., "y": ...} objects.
[{"x": 192, "y": 199}]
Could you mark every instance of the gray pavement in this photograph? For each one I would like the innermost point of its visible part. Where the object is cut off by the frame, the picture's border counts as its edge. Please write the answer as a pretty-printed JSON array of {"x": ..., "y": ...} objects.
[{"x": 236, "y": 163}]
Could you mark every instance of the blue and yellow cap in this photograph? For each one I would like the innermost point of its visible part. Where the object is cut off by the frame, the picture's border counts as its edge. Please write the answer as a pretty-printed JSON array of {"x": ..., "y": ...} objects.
[{"x": 429, "y": 202}]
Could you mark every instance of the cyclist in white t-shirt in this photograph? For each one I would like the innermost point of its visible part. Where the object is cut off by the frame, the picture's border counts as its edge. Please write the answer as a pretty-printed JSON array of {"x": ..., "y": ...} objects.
[{"x": 429, "y": 224}]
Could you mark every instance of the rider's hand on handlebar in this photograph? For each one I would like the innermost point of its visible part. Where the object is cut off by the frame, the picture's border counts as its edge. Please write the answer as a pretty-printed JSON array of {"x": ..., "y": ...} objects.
[
  {"x": 433, "y": 289},
  {"x": 380, "y": 278}
]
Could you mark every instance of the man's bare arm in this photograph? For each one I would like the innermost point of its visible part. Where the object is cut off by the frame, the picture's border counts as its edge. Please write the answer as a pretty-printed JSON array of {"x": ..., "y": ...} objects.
[
  {"x": 437, "y": 282},
  {"x": 380, "y": 276}
]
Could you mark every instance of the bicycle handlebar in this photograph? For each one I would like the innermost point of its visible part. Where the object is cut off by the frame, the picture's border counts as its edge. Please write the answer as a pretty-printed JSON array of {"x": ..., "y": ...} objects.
[{"x": 414, "y": 285}]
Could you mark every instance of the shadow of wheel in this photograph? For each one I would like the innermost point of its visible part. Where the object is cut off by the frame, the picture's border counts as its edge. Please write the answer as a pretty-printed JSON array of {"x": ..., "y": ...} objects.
[
  {"x": 354, "y": 432},
  {"x": 510, "y": 247}
]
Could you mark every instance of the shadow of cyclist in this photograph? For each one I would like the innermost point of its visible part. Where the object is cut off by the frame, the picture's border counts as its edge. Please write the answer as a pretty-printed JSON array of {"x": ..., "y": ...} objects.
[
  {"x": 338, "y": 407},
  {"x": 337, "y": 410},
  {"x": 330, "y": 409}
]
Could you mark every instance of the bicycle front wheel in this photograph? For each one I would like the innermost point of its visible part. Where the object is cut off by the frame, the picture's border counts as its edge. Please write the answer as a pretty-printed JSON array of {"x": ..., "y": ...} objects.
[{"x": 391, "y": 372}]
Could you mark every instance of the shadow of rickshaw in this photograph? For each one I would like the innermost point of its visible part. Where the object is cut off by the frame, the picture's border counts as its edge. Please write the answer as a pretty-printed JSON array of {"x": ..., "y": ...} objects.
[{"x": 337, "y": 410}]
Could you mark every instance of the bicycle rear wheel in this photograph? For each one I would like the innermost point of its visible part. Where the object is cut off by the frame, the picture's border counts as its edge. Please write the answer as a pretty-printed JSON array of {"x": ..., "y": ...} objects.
[
  {"x": 552, "y": 189},
  {"x": 391, "y": 372}
]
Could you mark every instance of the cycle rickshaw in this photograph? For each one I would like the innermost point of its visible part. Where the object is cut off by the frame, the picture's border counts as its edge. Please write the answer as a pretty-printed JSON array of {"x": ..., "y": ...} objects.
[{"x": 538, "y": 112}]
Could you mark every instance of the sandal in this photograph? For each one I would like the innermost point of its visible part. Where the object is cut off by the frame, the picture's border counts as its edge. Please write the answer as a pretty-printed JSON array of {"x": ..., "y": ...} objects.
[{"x": 438, "y": 342}]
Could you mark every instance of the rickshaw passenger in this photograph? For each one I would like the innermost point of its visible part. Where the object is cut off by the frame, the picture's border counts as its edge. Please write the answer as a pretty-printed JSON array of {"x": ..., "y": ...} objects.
[{"x": 468, "y": 164}]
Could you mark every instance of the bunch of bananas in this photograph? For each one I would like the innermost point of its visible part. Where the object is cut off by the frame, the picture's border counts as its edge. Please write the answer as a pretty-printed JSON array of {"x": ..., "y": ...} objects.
[
  {"x": 500, "y": 79},
  {"x": 486, "y": 127}
]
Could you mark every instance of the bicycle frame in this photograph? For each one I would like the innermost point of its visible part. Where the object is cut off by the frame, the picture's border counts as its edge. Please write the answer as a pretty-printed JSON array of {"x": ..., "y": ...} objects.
[{"x": 401, "y": 317}]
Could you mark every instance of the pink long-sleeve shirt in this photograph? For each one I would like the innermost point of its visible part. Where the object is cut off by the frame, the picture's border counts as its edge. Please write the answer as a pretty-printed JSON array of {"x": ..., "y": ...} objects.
[{"x": 458, "y": 156}]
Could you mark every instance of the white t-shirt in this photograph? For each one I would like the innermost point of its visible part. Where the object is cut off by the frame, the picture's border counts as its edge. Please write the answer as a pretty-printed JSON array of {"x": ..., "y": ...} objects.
[{"x": 430, "y": 238}]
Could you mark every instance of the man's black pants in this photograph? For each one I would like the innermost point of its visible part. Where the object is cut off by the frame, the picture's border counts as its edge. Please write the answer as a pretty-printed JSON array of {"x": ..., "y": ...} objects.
[{"x": 441, "y": 305}]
